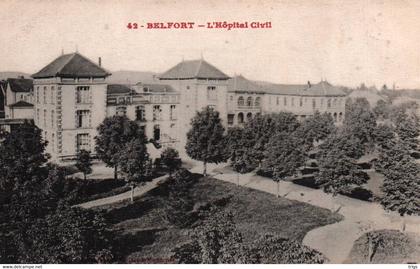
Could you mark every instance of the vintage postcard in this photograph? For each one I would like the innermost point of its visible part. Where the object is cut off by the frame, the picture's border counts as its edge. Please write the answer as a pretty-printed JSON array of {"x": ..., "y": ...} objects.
[{"x": 209, "y": 132}]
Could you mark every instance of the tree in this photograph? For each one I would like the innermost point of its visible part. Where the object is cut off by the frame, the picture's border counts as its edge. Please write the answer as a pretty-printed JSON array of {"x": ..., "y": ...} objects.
[
  {"x": 338, "y": 171},
  {"x": 113, "y": 134},
  {"x": 260, "y": 129},
  {"x": 285, "y": 153},
  {"x": 274, "y": 249},
  {"x": 215, "y": 241},
  {"x": 205, "y": 141},
  {"x": 360, "y": 121},
  {"x": 21, "y": 156},
  {"x": 315, "y": 128},
  {"x": 84, "y": 162},
  {"x": 69, "y": 235},
  {"x": 170, "y": 158},
  {"x": 407, "y": 126},
  {"x": 133, "y": 161},
  {"x": 382, "y": 109},
  {"x": 402, "y": 182}
]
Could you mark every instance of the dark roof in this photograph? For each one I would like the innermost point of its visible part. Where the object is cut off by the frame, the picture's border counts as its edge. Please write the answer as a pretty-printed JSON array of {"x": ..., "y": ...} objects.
[
  {"x": 194, "y": 69},
  {"x": 241, "y": 84},
  {"x": 21, "y": 104},
  {"x": 323, "y": 88},
  {"x": 157, "y": 87},
  {"x": 71, "y": 65},
  {"x": 117, "y": 89},
  {"x": 20, "y": 84}
]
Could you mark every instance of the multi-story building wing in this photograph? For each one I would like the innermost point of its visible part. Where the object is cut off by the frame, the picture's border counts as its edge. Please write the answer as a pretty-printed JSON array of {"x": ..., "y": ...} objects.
[
  {"x": 16, "y": 102},
  {"x": 199, "y": 84},
  {"x": 247, "y": 99},
  {"x": 70, "y": 102},
  {"x": 152, "y": 106}
]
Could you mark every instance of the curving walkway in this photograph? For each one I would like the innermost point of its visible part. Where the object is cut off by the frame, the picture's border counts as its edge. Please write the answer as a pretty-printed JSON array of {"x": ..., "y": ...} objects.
[
  {"x": 335, "y": 240},
  {"x": 138, "y": 191}
]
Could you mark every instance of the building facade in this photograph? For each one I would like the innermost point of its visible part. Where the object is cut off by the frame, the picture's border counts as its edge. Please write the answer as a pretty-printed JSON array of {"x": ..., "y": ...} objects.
[
  {"x": 72, "y": 97},
  {"x": 70, "y": 103},
  {"x": 16, "y": 102}
]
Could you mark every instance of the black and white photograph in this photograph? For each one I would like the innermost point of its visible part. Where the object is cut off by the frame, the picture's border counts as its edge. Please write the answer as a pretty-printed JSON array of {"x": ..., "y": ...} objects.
[{"x": 209, "y": 132}]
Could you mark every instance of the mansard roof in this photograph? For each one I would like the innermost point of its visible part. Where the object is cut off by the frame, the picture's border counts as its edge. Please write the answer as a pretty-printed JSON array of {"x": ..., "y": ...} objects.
[
  {"x": 156, "y": 87},
  {"x": 71, "y": 65},
  {"x": 21, "y": 104},
  {"x": 323, "y": 88},
  {"x": 20, "y": 84},
  {"x": 117, "y": 89},
  {"x": 193, "y": 69},
  {"x": 241, "y": 84}
]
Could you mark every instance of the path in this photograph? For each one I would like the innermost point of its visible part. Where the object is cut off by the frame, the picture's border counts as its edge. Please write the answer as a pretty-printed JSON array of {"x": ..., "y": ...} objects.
[
  {"x": 335, "y": 240},
  {"x": 138, "y": 191}
]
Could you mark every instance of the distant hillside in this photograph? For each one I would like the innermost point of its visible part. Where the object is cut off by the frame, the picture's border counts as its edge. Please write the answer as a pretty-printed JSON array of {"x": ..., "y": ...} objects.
[
  {"x": 11, "y": 74},
  {"x": 132, "y": 77}
]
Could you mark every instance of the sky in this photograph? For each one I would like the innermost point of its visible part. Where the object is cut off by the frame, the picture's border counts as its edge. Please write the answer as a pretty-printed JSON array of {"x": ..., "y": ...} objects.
[{"x": 345, "y": 42}]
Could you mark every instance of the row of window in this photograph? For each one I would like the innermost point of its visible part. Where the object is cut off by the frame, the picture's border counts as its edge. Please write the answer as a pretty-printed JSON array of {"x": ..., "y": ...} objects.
[
  {"x": 45, "y": 118},
  {"x": 330, "y": 102},
  {"x": 249, "y": 101},
  {"x": 45, "y": 95},
  {"x": 83, "y": 95},
  {"x": 140, "y": 112}
]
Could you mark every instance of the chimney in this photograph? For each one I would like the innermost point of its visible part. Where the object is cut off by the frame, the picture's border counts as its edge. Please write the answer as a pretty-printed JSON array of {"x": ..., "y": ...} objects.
[
  {"x": 309, "y": 84},
  {"x": 100, "y": 61}
]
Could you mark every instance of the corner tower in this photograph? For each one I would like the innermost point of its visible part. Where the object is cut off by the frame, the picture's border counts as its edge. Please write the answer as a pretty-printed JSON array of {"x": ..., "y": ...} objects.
[
  {"x": 199, "y": 84},
  {"x": 69, "y": 104}
]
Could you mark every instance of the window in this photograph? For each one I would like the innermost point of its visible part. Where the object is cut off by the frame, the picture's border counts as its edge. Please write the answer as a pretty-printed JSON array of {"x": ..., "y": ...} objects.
[
  {"x": 45, "y": 94},
  {"x": 53, "y": 142},
  {"x": 37, "y": 95},
  {"x": 240, "y": 118},
  {"x": 52, "y": 118},
  {"x": 313, "y": 103},
  {"x": 230, "y": 119},
  {"x": 83, "y": 142},
  {"x": 285, "y": 101},
  {"x": 140, "y": 113},
  {"x": 300, "y": 102},
  {"x": 293, "y": 101},
  {"x": 335, "y": 102},
  {"x": 172, "y": 112},
  {"x": 278, "y": 101},
  {"x": 249, "y": 101},
  {"x": 45, "y": 118},
  {"x": 128, "y": 100},
  {"x": 121, "y": 111},
  {"x": 257, "y": 101},
  {"x": 157, "y": 112},
  {"x": 329, "y": 103},
  {"x": 37, "y": 116},
  {"x": 211, "y": 93},
  {"x": 241, "y": 101},
  {"x": 322, "y": 102},
  {"x": 121, "y": 100},
  {"x": 249, "y": 116},
  {"x": 83, "y": 95},
  {"x": 82, "y": 118},
  {"x": 52, "y": 95}
]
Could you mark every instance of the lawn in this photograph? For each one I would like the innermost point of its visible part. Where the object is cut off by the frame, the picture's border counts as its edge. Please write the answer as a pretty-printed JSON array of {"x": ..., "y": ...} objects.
[
  {"x": 398, "y": 247},
  {"x": 146, "y": 236}
]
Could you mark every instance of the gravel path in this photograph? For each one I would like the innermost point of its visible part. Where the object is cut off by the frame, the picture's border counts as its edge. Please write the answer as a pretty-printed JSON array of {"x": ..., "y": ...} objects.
[
  {"x": 335, "y": 240},
  {"x": 138, "y": 191}
]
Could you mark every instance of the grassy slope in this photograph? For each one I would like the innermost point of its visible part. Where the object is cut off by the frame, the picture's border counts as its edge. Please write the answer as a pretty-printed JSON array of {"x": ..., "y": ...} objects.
[
  {"x": 398, "y": 248},
  {"x": 149, "y": 237}
]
